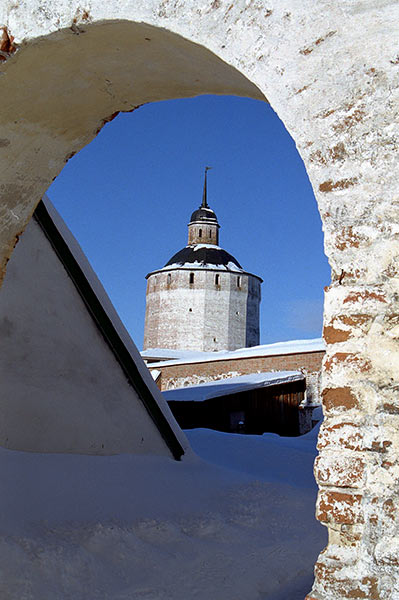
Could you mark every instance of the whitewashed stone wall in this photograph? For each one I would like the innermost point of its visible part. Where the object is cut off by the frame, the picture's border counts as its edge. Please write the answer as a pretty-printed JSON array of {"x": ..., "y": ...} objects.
[
  {"x": 202, "y": 316},
  {"x": 185, "y": 381},
  {"x": 330, "y": 70}
]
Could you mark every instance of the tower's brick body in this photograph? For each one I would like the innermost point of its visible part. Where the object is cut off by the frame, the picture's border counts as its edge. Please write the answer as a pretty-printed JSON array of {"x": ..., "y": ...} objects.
[{"x": 204, "y": 315}]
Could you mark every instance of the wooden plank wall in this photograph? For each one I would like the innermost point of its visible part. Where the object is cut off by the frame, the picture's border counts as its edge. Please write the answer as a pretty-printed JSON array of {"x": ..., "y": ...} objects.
[{"x": 269, "y": 409}]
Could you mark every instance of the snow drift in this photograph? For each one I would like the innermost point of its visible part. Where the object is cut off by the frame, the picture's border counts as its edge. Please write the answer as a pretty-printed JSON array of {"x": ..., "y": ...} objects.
[{"x": 237, "y": 524}]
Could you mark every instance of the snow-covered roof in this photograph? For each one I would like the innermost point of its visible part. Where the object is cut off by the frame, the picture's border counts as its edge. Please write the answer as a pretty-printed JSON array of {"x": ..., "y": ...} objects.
[
  {"x": 279, "y": 348},
  {"x": 202, "y": 256},
  {"x": 233, "y": 385},
  {"x": 162, "y": 354}
]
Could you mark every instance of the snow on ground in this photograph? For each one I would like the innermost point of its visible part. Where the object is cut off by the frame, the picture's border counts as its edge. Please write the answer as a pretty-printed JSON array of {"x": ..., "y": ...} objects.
[{"x": 236, "y": 524}]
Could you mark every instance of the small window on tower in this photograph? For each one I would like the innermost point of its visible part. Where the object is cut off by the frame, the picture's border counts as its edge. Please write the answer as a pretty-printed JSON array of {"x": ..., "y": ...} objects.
[
  {"x": 169, "y": 278},
  {"x": 238, "y": 282},
  {"x": 217, "y": 279},
  {"x": 210, "y": 233},
  {"x": 191, "y": 278},
  {"x": 200, "y": 233}
]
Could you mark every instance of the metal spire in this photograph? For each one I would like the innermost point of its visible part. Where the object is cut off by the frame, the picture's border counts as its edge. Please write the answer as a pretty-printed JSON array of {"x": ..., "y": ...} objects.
[{"x": 204, "y": 194}]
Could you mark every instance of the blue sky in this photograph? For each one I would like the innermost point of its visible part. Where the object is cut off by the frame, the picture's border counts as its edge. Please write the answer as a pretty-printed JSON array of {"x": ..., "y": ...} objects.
[{"x": 128, "y": 196}]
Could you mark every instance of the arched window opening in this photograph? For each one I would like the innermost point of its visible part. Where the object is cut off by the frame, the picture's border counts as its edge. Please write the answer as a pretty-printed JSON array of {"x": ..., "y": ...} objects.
[
  {"x": 217, "y": 280},
  {"x": 200, "y": 233},
  {"x": 256, "y": 240},
  {"x": 169, "y": 279},
  {"x": 191, "y": 278},
  {"x": 238, "y": 281}
]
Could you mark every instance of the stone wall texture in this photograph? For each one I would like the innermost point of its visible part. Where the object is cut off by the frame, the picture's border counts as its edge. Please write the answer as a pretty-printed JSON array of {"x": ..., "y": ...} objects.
[
  {"x": 203, "y": 233},
  {"x": 202, "y": 315},
  {"x": 331, "y": 72}
]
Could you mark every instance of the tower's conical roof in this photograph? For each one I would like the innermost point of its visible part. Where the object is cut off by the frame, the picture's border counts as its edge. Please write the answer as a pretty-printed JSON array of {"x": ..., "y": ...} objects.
[{"x": 205, "y": 256}]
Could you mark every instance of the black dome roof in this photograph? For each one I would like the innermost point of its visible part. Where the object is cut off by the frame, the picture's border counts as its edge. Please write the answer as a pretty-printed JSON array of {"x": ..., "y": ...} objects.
[
  {"x": 203, "y": 214},
  {"x": 206, "y": 255}
]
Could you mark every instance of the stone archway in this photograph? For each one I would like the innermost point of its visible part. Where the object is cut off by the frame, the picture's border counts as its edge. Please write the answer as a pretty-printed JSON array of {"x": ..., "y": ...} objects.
[{"x": 330, "y": 71}]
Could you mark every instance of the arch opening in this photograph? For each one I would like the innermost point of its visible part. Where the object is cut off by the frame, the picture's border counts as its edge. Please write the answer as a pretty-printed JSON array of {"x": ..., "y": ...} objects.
[{"x": 157, "y": 240}]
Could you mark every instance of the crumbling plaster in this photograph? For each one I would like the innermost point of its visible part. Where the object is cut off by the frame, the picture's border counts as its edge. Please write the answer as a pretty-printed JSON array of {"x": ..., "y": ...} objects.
[{"x": 331, "y": 71}]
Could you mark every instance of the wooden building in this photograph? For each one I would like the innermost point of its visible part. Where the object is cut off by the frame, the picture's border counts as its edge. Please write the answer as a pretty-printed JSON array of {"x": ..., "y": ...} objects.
[{"x": 253, "y": 404}]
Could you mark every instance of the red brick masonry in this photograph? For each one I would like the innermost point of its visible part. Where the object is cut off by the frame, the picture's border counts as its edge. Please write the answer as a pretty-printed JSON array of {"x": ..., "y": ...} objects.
[{"x": 308, "y": 362}]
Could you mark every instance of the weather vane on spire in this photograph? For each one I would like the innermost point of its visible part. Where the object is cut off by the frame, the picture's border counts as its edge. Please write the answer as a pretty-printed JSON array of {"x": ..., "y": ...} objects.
[{"x": 204, "y": 194}]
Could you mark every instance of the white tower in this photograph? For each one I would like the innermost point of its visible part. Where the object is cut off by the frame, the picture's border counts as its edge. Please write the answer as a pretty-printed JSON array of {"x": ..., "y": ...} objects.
[{"x": 202, "y": 299}]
